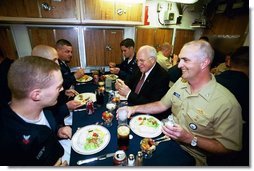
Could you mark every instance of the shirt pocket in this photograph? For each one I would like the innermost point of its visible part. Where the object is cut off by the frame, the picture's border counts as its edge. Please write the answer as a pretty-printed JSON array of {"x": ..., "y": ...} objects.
[
  {"x": 197, "y": 117},
  {"x": 176, "y": 104}
]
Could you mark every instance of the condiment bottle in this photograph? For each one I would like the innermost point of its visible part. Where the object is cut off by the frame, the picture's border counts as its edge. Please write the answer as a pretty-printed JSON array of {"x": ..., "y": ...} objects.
[
  {"x": 139, "y": 159},
  {"x": 131, "y": 160}
]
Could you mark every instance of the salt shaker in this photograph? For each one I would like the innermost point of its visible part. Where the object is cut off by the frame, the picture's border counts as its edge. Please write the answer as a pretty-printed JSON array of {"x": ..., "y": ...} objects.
[{"x": 131, "y": 160}]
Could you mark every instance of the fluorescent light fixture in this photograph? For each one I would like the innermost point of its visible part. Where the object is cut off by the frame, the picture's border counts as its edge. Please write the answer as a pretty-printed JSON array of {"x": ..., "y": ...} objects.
[{"x": 184, "y": 1}]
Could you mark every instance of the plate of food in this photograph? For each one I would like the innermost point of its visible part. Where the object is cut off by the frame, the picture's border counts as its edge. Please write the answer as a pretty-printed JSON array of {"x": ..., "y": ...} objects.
[
  {"x": 111, "y": 76},
  {"x": 84, "y": 79},
  {"x": 146, "y": 126},
  {"x": 84, "y": 97},
  {"x": 90, "y": 139}
]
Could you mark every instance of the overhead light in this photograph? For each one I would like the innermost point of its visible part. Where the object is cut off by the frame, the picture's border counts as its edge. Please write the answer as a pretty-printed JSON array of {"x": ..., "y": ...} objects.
[{"x": 184, "y": 1}]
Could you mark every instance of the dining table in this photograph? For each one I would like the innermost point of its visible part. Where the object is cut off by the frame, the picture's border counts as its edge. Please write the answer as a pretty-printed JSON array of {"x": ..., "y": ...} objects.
[{"x": 167, "y": 153}]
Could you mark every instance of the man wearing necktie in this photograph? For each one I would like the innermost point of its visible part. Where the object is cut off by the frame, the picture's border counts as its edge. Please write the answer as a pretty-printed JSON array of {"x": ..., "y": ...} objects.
[{"x": 149, "y": 83}]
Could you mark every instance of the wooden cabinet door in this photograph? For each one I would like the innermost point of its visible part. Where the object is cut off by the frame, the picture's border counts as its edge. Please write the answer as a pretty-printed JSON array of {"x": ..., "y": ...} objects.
[
  {"x": 19, "y": 8},
  {"x": 98, "y": 10},
  {"x": 182, "y": 37},
  {"x": 112, "y": 48},
  {"x": 94, "y": 45},
  {"x": 161, "y": 36},
  {"x": 144, "y": 36},
  {"x": 70, "y": 34},
  {"x": 60, "y": 9},
  {"x": 153, "y": 36},
  {"x": 8, "y": 45},
  {"x": 102, "y": 46},
  {"x": 128, "y": 11},
  {"x": 49, "y": 36}
]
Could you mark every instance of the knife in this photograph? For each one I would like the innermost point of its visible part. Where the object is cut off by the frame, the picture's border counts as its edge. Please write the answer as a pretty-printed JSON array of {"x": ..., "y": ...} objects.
[{"x": 101, "y": 157}]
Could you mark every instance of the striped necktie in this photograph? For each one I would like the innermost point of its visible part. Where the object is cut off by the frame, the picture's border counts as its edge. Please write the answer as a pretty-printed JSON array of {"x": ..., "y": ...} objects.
[{"x": 140, "y": 83}]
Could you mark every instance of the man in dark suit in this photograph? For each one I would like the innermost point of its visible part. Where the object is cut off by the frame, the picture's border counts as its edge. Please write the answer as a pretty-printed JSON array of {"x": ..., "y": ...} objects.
[
  {"x": 155, "y": 84},
  {"x": 129, "y": 65}
]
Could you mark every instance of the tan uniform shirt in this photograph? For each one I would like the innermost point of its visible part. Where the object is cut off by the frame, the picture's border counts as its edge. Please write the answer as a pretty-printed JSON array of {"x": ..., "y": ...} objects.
[
  {"x": 164, "y": 62},
  {"x": 212, "y": 113}
]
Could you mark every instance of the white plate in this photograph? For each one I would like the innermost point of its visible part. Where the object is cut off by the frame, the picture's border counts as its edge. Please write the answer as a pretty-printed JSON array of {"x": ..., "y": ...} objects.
[
  {"x": 80, "y": 138},
  {"x": 112, "y": 76},
  {"x": 142, "y": 126},
  {"x": 84, "y": 79},
  {"x": 84, "y": 97}
]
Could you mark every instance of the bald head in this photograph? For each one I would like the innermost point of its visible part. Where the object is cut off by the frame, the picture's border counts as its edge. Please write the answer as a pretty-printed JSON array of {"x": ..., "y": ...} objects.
[
  {"x": 166, "y": 49},
  {"x": 45, "y": 52}
]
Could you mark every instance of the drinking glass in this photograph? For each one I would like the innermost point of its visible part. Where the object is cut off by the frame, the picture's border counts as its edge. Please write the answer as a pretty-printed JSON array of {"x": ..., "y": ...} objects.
[
  {"x": 107, "y": 116},
  {"x": 99, "y": 97},
  {"x": 147, "y": 146},
  {"x": 123, "y": 133}
]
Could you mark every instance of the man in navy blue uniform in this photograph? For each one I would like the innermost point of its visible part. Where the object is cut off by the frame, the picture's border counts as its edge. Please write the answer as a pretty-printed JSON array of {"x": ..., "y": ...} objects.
[
  {"x": 129, "y": 65},
  {"x": 29, "y": 134}
]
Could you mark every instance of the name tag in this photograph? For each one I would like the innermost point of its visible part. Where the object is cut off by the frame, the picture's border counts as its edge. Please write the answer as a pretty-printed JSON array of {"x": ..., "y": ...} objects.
[{"x": 176, "y": 94}]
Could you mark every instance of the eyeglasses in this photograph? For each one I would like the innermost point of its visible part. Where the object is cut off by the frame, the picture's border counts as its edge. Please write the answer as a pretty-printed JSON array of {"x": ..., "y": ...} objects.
[{"x": 143, "y": 60}]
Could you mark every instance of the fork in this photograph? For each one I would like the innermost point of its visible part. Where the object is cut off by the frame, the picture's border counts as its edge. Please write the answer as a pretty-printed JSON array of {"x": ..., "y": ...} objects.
[
  {"x": 158, "y": 142},
  {"x": 164, "y": 137}
]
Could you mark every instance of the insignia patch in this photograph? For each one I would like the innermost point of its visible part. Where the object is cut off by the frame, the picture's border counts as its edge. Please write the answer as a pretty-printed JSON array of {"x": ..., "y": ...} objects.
[
  {"x": 193, "y": 126},
  {"x": 26, "y": 139}
]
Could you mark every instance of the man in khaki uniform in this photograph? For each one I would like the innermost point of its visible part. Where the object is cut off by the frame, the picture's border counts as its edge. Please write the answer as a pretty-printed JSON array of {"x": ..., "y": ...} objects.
[
  {"x": 163, "y": 56},
  {"x": 207, "y": 116}
]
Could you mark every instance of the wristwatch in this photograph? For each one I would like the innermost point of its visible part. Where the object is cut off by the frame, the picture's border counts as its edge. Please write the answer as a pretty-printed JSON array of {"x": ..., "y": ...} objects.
[{"x": 194, "y": 142}]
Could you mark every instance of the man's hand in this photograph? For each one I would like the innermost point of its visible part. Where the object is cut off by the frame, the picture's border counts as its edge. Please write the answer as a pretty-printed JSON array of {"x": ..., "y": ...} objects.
[
  {"x": 112, "y": 64},
  {"x": 122, "y": 88},
  {"x": 71, "y": 92},
  {"x": 60, "y": 163},
  {"x": 65, "y": 132},
  {"x": 73, "y": 104},
  {"x": 129, "y": 109},
  {"x": 79, "y": 73},
  {"x": 177, "y": 133},
  {"x": 114, "y": 70}
]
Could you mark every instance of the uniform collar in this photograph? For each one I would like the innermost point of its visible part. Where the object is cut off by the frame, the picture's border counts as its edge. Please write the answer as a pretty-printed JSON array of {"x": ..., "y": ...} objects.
[{"x": 206, "y": 92}]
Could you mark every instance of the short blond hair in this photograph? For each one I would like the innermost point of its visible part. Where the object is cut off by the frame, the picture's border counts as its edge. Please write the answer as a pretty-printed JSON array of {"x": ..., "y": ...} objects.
[{"x": 28, "y": 73}]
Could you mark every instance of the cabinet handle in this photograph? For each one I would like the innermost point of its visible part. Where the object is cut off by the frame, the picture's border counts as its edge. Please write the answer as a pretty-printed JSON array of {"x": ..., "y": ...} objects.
[
  {"x": 108, "y": 47},
  {"x": 46, "y": 6},
  {"x": 120, "y": 11}
]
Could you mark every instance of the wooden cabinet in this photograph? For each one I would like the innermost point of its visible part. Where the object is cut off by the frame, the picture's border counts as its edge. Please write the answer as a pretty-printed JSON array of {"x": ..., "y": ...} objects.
[
  {"x": 102, "y": 46},
  {"x": 73, "y": 11},
  {"x": 157, "y": 36},
  {"x": 8, "y": 46},
  {"x": 95, "y": 11},
  {"x": 59, "y": 9},
  {"x": 182, "y": 37},
  {"x": 40, "y": 11},
  {"x": 153, "y": 36},
  {"x": 19, "y": 8},
  {"x": 49, "y": 36}
]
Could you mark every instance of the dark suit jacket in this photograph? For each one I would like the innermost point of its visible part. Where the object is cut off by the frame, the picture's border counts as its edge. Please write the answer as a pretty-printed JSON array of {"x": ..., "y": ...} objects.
[{"x": 154, "y": 88}]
